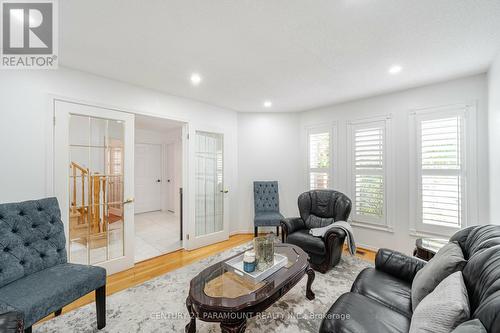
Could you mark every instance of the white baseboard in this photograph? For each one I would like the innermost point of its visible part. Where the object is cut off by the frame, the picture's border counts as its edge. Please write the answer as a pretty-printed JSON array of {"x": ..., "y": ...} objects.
[
  {"x": 367, "y": 247},
  {"x": 240, "y": 232}
]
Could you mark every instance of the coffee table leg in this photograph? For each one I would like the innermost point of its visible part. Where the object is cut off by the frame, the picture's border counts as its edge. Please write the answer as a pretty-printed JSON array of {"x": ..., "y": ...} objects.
[
  {"x": 238, "y": 327},
  {"x": 310, "y": 278},
  {"x": 191, "y": 326}
]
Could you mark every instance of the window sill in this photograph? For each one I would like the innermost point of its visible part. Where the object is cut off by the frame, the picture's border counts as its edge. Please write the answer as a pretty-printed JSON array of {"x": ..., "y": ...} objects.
[
  {"x": 384, "y": 228},
  {"x": 427, "y": 234}
]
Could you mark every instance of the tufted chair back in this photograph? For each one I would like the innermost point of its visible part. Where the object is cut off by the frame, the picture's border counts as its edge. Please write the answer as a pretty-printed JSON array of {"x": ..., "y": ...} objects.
[
  {"x": 481, "y": 246},
  {"x": 31, "y": 238},
  {"x": 266, "y": 196},
  {"x": 319, "y": 208}
]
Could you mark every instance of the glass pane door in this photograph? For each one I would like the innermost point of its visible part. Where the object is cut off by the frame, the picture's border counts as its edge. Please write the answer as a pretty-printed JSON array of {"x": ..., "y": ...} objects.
[
  {"x": 96, "y": 193},
  {"x": 209, "y": 205}
]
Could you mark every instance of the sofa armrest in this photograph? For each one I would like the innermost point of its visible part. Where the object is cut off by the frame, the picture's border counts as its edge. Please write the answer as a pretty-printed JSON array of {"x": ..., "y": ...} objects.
[
  {"x": 398, "y": 264},
  {"x": 290, "y": 225}
]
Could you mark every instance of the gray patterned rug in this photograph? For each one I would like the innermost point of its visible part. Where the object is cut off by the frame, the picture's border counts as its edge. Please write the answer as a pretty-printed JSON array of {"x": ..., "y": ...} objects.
[{"x": 159, "y": 304}]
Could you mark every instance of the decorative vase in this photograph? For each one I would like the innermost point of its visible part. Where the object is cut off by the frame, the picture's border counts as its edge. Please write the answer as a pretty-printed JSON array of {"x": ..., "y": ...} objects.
[{"x": 264, "y": 252}]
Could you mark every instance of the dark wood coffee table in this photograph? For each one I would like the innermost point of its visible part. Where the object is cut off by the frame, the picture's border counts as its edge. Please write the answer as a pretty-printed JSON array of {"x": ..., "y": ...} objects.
[
  {"x": 426, "y": 248},
  {"x": 219, "y": 295}
]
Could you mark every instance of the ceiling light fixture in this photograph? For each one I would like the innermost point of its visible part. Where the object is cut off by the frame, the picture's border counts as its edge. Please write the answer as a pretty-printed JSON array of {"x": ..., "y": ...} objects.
[
  {"x": 195, "y": 79},
  {"x": 268, "y": 104},
  {"x": 395, "y": 69}
]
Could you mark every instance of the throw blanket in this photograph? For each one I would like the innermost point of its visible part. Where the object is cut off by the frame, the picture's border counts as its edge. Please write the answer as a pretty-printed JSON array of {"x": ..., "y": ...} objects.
[{"x": 343, "y": 225}]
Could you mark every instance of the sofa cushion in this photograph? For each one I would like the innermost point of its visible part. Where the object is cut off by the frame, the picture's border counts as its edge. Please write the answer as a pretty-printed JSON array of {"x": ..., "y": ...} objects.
[
  {"x": 357, "y": 313},
  {"x": 470, "y": 326},
  {"x": 31, "y": 238},
  {"x": 443, "y": 309},
  {"x": 447, "y": 260},
  {"x": 268, "y": 219},
  {"x": 46, "y": 291},
  {"x": 307, "y": 242},
  {"x": 482, "y": 278},
  {"x": 384, "y": 288},
  {"x": 481, "y": 238}
]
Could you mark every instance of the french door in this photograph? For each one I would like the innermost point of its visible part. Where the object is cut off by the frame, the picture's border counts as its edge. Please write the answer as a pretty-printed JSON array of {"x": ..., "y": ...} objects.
[
  {"x": 210, "y": 225},
  {"x": 93, "y": 181}
]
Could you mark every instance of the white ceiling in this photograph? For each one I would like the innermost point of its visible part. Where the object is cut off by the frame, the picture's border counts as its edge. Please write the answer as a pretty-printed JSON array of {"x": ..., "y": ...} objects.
[{"x": 298, "y": 53}]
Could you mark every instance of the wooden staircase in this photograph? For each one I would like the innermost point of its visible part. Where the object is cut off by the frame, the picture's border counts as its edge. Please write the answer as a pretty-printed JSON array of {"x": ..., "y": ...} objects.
[{"x": 88, "y": 215}]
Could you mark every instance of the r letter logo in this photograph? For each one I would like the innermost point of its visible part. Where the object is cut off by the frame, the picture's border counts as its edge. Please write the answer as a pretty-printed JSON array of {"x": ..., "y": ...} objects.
[{"x": 29, "y": 38}]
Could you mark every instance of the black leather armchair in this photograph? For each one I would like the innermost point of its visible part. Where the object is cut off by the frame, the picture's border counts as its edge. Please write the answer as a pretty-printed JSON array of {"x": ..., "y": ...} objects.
[{"x": 318, "y": 208}]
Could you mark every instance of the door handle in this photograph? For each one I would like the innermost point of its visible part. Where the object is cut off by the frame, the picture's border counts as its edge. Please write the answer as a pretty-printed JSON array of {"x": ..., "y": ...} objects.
[
  {"x": 128, "y": 201},
  {"x": 158, "y": 180},
  {"x": 224, "y": 191}
]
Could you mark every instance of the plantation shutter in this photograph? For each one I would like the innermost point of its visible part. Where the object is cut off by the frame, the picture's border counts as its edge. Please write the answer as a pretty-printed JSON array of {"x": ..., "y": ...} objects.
[
  {"x": 368, "y": 145},
  {"x": 441, "y": 185},
  {"x": 319, "y": 160}
]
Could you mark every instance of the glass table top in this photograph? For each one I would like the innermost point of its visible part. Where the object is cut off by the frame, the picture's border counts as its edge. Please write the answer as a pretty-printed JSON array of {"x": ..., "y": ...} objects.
[{"x": 223, "y": 282}]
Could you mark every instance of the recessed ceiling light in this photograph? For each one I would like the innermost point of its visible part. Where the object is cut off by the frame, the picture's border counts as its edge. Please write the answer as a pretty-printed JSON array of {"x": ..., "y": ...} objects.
[
  {"x": 195, "y": 79},
  {"x": 395, "y": 69},
  {"x": 268, "y": 104}
]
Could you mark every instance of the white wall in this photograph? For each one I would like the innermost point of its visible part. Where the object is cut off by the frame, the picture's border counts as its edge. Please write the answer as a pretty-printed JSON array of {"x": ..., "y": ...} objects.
[
  {"x": 268, "y": 150},
  {"x": 399, "y": 104},
  {"x": 260, "y": 146},
  {"x": 25, "y": 123},
  {"x": 494, "y": 139},
  {"x": 273, "y": 146},
  {"x": 169, "y": 136}
]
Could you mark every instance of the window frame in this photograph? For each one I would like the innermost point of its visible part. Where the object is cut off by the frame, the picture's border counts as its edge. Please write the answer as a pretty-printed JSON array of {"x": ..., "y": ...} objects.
[
  {"x": 467, "y": 172},
  {"x": 385, "y": 223},
  {"x": 330, "y": 128}
]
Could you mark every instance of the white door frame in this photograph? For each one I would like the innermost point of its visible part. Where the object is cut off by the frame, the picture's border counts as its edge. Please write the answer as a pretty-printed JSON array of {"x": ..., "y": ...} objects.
[{"x": 61, "y": 181}]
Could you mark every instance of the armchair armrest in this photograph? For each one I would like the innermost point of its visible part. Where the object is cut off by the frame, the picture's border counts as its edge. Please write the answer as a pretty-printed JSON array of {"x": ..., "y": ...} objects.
[
  {"x": 290, "y": 225},
  {"x": 336, "y": 232},
  {"x": 398, "y": 264}
]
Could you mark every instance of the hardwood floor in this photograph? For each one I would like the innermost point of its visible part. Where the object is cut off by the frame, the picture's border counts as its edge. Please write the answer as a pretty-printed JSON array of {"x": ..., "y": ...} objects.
[{"x": 149, "y": 269}]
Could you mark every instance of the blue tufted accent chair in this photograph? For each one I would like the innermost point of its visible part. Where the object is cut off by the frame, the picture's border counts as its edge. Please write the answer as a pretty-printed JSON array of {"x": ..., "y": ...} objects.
[
  {"x": 35, "y": 277},
  {"x": 267, "y": 205}
]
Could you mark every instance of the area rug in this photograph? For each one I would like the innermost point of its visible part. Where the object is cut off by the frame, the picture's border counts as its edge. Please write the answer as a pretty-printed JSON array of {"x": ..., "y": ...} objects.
[{"x": 159, "y": 304}]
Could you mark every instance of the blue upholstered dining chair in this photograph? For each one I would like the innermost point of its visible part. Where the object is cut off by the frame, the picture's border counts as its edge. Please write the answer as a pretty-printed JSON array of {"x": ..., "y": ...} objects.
[{"x": 267, "y": 205}]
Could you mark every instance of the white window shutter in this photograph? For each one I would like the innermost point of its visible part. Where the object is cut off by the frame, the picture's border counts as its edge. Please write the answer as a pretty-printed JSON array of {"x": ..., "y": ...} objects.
[
  {"x": 368, "y": 165},
  {"x": 441, "y": 181},
  {"x": 319, "y": 159}
]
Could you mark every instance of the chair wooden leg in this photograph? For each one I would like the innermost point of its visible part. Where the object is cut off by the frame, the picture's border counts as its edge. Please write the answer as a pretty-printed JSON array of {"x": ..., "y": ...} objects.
[
  {"x": 100, "y": 303},
  {"x": 27, "y": 330},
  {"x": 256, "y": 232},
  {"x": 58, "y": 312},
  {"x": 277, "y": 230}
]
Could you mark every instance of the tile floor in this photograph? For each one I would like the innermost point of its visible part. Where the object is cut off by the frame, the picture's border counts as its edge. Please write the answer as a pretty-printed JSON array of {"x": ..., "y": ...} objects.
[{"x": 156, "y": 233}]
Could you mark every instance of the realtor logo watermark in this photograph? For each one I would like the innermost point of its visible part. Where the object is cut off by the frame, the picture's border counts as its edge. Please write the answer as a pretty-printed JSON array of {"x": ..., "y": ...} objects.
[{"x": 29, "y": 34}]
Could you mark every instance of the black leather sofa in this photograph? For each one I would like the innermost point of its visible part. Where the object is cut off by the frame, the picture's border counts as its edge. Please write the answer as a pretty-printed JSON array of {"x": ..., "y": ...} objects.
[
  {"x": 318, "y": 208},
  {"x": 380, "y": 298}
]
